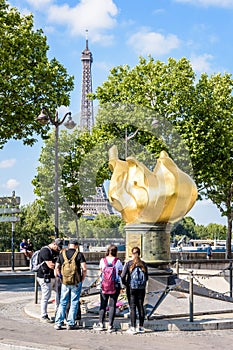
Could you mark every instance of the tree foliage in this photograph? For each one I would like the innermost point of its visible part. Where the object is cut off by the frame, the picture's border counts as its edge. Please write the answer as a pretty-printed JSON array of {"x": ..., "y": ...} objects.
[
  {"x": 199, "y": 111},
  {"x": 103, "y": 226},
  {"x": 28, "y": 79}
]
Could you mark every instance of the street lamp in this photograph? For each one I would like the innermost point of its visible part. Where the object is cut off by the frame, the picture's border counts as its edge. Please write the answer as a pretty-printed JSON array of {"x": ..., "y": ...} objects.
[
  {"x": 45, "y": 118},
  {"x": 154, "y": 124}
]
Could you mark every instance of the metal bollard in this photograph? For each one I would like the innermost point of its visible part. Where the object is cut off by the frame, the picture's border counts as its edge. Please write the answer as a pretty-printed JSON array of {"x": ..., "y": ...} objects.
[
  {"x": 191, "y": 297},
  {"x": 36, "y": 289},
  {"x": 177, "y": 267}
]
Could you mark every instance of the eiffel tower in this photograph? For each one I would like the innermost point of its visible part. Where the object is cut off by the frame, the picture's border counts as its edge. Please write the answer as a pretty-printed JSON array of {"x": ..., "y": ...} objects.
[
  {"x": 97, "y": 203},
  {"x": 87, "y": 115}
]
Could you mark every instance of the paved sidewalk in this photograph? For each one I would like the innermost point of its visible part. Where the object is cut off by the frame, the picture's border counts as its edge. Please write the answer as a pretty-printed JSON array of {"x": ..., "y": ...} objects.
[{"x": 171, "y": 315}]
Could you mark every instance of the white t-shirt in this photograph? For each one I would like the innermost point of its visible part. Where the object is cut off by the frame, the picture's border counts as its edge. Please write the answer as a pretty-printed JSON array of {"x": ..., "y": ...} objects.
[{"x": 118, "y": 265}]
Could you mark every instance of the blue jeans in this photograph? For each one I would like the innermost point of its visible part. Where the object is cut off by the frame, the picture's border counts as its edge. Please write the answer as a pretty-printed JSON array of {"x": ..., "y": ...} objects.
[{"x": 72, "y": 294}]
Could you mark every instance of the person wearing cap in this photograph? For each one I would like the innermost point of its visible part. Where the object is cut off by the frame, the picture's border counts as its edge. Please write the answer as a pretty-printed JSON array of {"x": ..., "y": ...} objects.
[
  {"x": 70, "y": 293},
  {"x": 45, "y": 275}
]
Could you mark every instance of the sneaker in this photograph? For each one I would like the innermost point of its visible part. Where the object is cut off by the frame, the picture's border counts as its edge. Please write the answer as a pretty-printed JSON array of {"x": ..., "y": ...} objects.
[
  {"x": 111, "y": 329},
  {"x": 46, "y": 319},
  {"x": 57, "y": 327},
  {"x": 141, "y": 330},
  {"x": 131, "y": 330},
  {"x": 98, "y": 327},
  {"x": 70, "y": 326}
]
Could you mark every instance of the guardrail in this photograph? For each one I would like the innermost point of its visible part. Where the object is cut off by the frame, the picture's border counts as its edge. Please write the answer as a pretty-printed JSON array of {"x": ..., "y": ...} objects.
[
  {"x": 184, "y": 258},
  {"x": 20, "y": 259}
]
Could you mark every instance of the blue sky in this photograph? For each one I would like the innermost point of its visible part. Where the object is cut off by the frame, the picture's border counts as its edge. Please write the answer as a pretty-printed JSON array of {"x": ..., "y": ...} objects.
[{"x": 119, "y": 31}]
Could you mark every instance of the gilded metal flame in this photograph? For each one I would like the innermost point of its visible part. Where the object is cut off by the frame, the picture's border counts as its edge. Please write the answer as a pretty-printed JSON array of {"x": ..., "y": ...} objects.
[{"x": 142, "y": 196}]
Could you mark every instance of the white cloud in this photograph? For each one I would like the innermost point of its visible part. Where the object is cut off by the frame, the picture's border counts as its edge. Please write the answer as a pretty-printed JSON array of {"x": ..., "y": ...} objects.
[
  {"x": 145, "y": 43},
  {"x": 8, "y": 163},
  {"x": 207, "y": 3},
  {"x": 201, "y": 63},
  {"x": 11, "y": 184},
  {"x": 93, "y": 15},
  {"x": 39, "y": 4}
]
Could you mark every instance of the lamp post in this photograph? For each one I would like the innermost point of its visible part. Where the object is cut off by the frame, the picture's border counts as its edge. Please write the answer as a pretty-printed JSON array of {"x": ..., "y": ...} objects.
[{"x": 45, "y": 118}]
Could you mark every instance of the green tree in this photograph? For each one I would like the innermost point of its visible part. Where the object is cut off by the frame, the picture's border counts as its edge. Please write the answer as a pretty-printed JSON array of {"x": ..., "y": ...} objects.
[
  {"x": 35, "y": 224},
  {"x": 102, "y": 226},
  {"x": 5, "y": 236},
  {"x": 28, "y": 79},
  {"x": 200, "y": 111},
  {"x": 216, "y": 231},
  {"x": 68, "y": 190},
  {"x": 186, "y": 227},
  {"x": 201, "y": 232}
]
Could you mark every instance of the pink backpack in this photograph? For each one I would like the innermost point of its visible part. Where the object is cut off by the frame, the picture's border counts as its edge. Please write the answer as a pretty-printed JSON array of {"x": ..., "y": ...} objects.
[{"x": 109, "y": 277}]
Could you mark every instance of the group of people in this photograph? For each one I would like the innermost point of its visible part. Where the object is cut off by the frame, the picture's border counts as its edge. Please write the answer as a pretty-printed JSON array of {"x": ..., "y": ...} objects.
[
  {"x": 54, "y": 262},
  {"x": 49, "y": 276},
  {"x": 135, "y": 294},
  {"x": 26, "y": 247}
]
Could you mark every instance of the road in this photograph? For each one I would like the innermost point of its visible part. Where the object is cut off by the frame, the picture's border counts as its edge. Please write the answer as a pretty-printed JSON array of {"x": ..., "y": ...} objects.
[{"x": 24, "y": 333}]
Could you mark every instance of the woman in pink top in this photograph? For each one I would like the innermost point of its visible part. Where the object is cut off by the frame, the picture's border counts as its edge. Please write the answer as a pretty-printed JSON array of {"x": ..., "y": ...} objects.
[{"x": 109, "y": 294}]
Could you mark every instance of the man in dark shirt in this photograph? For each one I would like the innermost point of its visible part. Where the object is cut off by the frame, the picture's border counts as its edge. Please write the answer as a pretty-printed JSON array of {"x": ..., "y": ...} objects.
[
  {"x": 45, "y": 274},
  {"x": 30, "y": 248},
  {"x": 70, "y": 293}
]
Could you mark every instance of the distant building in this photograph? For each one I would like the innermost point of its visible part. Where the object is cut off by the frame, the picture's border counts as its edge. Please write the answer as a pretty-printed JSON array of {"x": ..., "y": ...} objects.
[
  {"x": 87, "y": 115},
  {"x": 98, "y": 203}
]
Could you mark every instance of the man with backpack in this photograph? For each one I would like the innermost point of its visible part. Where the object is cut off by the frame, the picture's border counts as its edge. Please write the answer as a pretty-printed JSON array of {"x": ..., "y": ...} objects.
[
  {"x": 71, "y": 268},
  {"x": 110, "y": 268},
  {"x": 45, "y": 275},
  {"x": 134, "y": 277}
]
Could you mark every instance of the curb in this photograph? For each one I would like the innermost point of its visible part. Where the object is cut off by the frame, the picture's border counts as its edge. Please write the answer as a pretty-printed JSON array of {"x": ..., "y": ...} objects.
[
  {"x": 6, "y": 344},
  {"x": 155, "y": 325}
]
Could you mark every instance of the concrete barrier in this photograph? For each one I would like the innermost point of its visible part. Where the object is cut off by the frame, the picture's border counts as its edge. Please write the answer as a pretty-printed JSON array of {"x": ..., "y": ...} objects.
[{"x": 19, "y": 259}]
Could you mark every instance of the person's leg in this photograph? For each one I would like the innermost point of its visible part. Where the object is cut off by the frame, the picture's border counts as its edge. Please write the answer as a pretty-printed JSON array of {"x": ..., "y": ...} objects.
[
  {"x": 140, "y": 303},
  {"x": 103, "y": 306},
  {"x": 112, "y": 307},
  {"x": 45, "y": 295},
  {"x": 75, "y": 296},
  {"x": 61, "y": 312},
  {"x": 133, "y": 308},
  {"x": 57, "y": 288}
]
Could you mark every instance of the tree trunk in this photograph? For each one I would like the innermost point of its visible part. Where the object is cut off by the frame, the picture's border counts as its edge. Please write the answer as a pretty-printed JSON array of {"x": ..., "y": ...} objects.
[
  {"x": 229, "y": 235},
  {"x": 76, "y": 224}
]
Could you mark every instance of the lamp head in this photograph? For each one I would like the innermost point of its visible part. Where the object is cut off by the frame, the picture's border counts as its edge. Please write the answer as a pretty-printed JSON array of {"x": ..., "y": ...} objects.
[
  {"x": 42, "y": 118},
  {"x": 70, "y": 124}
]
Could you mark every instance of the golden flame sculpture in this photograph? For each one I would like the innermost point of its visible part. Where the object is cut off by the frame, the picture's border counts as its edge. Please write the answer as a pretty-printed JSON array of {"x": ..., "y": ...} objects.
[{"x": 142, "y": 196}]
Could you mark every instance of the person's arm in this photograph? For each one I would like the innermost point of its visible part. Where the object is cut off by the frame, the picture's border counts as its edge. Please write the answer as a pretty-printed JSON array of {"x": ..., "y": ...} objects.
[
  {"x": 84, "y": 270},
  {"x": 124, "y": 274},
  {"x": 50, "y": 264},
  {"x": 57, "y": 270}
]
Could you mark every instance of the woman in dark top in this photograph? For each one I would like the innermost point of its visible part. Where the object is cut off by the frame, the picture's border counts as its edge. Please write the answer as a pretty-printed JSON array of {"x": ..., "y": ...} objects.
[{"x": 136, "y": 296}]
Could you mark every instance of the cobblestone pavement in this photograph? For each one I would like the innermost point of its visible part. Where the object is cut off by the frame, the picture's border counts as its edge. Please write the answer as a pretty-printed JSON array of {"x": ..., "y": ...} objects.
[{"x": 19, "y": 331}]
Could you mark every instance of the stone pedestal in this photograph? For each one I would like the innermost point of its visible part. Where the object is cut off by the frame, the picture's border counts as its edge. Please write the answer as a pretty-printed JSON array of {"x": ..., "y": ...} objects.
[{"x": 152, "y": 239}]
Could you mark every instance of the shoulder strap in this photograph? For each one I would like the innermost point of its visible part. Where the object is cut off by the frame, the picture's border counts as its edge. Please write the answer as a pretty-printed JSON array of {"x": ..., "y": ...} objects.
[
  {"x": 64, "y": 255},
  {"x": 114, "y": 261},
  {"x": 74, "y": 255}
]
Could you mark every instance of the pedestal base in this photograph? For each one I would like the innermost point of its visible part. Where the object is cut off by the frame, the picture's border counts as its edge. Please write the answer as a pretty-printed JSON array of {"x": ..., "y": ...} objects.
[{"x": 152, "y": 239}]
